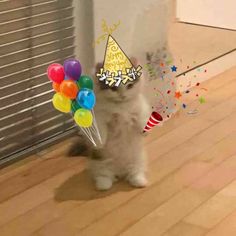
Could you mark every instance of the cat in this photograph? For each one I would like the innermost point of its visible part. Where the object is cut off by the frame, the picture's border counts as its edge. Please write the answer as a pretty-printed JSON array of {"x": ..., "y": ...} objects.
[{"x": 121, "y": 115}]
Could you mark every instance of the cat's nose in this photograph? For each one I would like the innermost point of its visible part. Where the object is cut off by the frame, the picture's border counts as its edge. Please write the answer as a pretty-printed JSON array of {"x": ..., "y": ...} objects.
[{"x": 122, "y": 94}]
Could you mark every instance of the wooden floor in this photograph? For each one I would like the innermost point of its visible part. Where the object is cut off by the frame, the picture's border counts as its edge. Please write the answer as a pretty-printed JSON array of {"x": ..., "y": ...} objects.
[{"x": 192, "y": 189}]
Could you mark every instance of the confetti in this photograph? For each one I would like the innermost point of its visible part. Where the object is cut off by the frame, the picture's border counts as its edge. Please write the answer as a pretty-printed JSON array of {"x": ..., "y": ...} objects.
[
  {"x": 174, "y": 68},
  {"x": 178, "y": 95},
  {"x": 204, "y": 89},
  {"x": 187, "y": 91},
  {"x": 197, "y": 84},
  {"x": 168, "y": 91},
  {"x": 192, "y": 112},
  {"x": 202, "y": 100}
]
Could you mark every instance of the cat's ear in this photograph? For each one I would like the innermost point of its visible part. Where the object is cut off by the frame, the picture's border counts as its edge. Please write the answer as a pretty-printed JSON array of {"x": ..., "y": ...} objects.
[
  {"x": 98, "y": 66},
  {"x": 134, "y": 61},
  {"x": 101, "y": 84}
]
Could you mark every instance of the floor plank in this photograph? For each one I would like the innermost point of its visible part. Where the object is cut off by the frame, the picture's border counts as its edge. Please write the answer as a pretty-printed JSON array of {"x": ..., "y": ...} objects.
[
  {"x": 216, "y": 208},
  {"x": 226, "y": 227},
  {"x": 185, "y": 229}
]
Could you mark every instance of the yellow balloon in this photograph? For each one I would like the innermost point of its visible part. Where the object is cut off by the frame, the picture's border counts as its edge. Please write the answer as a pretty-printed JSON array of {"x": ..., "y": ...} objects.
[
  {"x": 61, "y": 103},
  {"x": 83, "y": 117}
]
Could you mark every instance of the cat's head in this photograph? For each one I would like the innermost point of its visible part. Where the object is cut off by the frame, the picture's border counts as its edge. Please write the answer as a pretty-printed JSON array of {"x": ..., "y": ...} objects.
[{"x": 124, "y": 92}]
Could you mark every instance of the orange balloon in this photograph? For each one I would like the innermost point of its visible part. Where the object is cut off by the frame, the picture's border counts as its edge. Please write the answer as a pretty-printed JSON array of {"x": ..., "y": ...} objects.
[
  {"x": 56, "y": 86},
  {"x": 69, "y": 88}
]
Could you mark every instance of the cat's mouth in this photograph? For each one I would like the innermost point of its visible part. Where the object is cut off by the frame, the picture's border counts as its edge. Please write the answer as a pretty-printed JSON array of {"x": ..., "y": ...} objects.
[{"x": 120, "y": 99}]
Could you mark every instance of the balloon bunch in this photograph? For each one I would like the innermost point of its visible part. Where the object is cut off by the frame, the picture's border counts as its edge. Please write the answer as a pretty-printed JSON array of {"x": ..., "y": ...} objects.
[{"x": 74, "y": 94}]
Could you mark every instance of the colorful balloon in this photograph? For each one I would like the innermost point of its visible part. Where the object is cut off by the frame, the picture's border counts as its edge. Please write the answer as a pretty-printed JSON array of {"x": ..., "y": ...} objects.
[
  {"x": 75, "y": 106},
  {"x": 72, "y": 68},
  {"x": 86, "y": 98},
  {"x": 56, "y": 73},
  {"x": 83, "y": 118},
  {"x": 69, "y": 89},
  {"x": 61, "y": 103},
  {"x": 85, "y": 82},
  {"x": 56, "y": 87}
]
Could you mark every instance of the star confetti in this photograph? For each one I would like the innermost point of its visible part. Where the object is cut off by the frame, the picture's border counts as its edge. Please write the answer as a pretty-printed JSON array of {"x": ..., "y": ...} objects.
[
  {"x": 162, "y": 64},
  {"x": 174, "y": 68},
  {"x": 178, "y": 95},
  {"x": 202, "y": 100}
]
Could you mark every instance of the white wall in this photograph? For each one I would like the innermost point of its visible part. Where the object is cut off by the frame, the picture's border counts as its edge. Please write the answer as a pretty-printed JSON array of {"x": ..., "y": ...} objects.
[
  {"x": 218, "y": 13},
  {"x": 84, "y": 33}
]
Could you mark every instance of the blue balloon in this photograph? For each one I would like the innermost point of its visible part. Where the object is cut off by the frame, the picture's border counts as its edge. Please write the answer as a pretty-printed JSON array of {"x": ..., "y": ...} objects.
[{"x": 86, "y": 98}]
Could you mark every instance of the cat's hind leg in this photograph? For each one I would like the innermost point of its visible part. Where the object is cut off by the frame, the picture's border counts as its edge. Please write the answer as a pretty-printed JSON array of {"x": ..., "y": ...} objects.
[
  {"x": 101, "y": 171},
  {"x": 136, "y": 174}
]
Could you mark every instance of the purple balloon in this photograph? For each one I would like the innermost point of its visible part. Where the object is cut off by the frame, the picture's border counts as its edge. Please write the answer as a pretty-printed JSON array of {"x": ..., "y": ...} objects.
[{"x": 72, "y": 68}]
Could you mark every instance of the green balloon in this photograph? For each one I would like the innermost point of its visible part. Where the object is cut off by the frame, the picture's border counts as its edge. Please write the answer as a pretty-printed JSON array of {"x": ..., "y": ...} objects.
[
  {"x": 85, "y": 82},
  {"x": 75, "y": 106}
]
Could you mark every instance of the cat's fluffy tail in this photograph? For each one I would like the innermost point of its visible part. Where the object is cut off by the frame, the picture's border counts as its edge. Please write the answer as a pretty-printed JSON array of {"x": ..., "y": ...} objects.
[{"x": 80, "y": 147}]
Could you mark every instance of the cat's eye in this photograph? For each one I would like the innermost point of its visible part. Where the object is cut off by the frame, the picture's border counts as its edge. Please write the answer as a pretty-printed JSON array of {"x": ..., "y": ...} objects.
[
  {"x": 114, "y": 88},
  {"x": 129, "y": 86}
]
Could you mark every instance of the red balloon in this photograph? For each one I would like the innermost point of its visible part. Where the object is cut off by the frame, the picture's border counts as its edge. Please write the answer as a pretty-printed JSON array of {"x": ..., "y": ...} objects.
[
  {"x": 56, "y": 87},
  {"x": 69, "y": 89},
  {"x": 56, "y": 73}
]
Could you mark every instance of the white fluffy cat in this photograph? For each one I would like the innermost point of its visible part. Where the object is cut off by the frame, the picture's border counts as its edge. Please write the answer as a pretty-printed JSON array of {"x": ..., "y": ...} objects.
[{"x": 121, "y": 114}]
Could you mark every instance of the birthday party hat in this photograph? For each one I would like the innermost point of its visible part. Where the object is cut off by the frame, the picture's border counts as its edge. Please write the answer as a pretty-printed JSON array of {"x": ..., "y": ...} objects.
[{"x": 115, "y": 58}]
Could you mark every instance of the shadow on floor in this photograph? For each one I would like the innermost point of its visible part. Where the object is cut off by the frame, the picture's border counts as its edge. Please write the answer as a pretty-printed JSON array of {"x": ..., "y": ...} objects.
[{"x": 81, "y": 187}]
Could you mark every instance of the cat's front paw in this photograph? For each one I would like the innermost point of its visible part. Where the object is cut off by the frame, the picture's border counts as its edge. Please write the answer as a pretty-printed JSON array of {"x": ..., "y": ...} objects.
[
  {"x": 138, "y": 180},
  {"x": 103, "y": 183}
]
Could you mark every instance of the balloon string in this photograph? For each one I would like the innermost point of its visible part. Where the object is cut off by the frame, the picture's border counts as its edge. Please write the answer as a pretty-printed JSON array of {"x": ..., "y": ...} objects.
[
  {"x": 88, "y": 136},
  {"x": 86, "y": 132},
  {"x": 96, "y": 127},
  {"x": 88, "y": 129},
  {"x": 95, "y": 132}
]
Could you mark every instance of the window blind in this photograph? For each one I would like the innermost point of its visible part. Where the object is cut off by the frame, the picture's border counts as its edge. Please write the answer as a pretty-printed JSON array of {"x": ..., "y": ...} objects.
[{"x": 33, "y": 34}]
